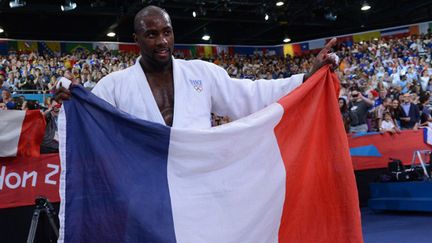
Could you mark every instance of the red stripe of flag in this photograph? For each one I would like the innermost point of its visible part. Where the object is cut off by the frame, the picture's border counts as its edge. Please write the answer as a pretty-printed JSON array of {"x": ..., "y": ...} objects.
[{"x": 321, "y": 201}]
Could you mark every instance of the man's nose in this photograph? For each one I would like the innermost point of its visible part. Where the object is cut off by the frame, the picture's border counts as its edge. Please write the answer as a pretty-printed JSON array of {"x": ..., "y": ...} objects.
[{"x": 162, "y": 40}]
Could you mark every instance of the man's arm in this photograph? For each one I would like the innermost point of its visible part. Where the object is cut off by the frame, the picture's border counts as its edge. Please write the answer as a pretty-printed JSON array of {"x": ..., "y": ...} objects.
[
  {"x": 237, "y": 98},
  {"x": 323, "y": 58}
]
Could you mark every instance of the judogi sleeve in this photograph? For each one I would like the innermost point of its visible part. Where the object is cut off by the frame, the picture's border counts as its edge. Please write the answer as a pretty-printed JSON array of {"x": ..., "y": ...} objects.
[
  {"x": 237, "y": 98},
  {"x": 104, "y": 89}
]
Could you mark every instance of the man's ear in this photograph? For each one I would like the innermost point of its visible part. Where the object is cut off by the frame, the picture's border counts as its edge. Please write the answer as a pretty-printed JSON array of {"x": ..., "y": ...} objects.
[{"x": 135, "y": 37}]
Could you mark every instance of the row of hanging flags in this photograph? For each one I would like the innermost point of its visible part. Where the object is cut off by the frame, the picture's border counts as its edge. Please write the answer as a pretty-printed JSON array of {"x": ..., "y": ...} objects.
[{"x": 193, "y": 51}]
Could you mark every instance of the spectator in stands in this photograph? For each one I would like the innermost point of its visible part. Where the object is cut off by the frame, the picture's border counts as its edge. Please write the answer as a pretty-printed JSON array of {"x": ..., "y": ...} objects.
[
  {"x": 3, "y": 106},
  {"x": 383, "y": 108},
  {"x": 3, "y": 85},
  {"x": 7, "y": 99},
  {"x": 409, "y": 113},
  {"x": 89, "y": 84},
  {"x": 359, "y": 106},
  {"x": 387, "y": 125},
  {"x": 343, "y": 107},
  {"x": 50, "y": 140}
]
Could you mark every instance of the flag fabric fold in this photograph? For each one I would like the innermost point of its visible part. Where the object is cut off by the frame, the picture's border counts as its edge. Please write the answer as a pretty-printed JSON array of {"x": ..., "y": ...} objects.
[
  {"x": 21, "y": 133},
  {"x": 282, "y": 174}
]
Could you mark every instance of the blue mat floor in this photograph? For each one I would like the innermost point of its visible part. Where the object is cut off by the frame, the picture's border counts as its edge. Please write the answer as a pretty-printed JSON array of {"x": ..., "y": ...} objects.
[{"x": 396, "y": 227}]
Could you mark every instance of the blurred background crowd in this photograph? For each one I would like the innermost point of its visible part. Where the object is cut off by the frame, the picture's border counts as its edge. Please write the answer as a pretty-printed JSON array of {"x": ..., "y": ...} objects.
[{"x": 385, "y": 83}]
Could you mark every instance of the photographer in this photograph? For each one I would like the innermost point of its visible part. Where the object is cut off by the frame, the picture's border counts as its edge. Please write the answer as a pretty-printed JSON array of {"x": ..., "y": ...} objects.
[
  {"x": 359, "y": 106},
  {"x": 50, "y": 140}
]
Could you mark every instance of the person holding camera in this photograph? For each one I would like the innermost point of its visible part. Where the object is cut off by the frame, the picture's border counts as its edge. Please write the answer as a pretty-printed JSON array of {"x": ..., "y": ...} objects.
[{"x": 359, "y": 106}]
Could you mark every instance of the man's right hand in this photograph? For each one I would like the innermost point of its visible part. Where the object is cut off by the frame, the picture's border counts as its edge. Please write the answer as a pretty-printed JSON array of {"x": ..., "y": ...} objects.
[{"x": 61, "y": 92}]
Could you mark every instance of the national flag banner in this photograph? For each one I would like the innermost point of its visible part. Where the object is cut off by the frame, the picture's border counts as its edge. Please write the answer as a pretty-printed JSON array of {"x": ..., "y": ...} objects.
[
  {"x": 210, "y": 51},
  {"x": 110, "y": 46},
  {"x": 27, "y": 46},
  {"x": 70, "y": 47},
  {"x": 222, "y": 50},
  {"x": 292, "y": 49},
  {"x": 130, "y": 48},
  {"x": 49, "y": 47},
  {"x": 414, "y": 30},
  {"x": 366, "y": 36},
  {"x": 4, "y": 47},
  {"x": 21, "y": 133},
  {"x": 304, "y": 46},
  {"x": 316, "y": 44},
  {"x": 395, "y": 32},
  {"x": 427, "y": 135},
  {"x": 282, "y": 174},
  {"x": 424, "y": 27}
]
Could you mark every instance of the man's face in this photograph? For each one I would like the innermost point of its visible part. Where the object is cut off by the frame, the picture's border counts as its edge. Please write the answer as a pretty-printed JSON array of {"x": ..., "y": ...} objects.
[
  {"x": 355, "y": 95},
  {"x": 5, "y": 94},
  {"x": 406, "y": 98},
  {"x": 154, "y": 35}
]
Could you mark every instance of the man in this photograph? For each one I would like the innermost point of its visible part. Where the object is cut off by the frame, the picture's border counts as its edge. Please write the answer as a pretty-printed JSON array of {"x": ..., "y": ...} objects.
[
  {"x": 50, "y": 140},
  {"x": 183, "y": 93},
  {"x": 359, "y": 107},
  {"x": 409, "y": 114}
]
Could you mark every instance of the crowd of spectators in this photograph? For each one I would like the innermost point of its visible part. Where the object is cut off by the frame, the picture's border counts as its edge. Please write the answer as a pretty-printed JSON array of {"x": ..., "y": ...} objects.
[{"x": 385, "y": 83}]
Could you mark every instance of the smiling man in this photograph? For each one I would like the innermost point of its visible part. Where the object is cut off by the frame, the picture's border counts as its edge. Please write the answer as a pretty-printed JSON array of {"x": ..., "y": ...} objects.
[{"x": 182, "y": 93}]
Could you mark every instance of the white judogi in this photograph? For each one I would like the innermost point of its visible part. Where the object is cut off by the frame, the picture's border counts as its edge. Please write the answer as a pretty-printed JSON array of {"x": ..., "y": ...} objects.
[{"x": 199, "y": 89}]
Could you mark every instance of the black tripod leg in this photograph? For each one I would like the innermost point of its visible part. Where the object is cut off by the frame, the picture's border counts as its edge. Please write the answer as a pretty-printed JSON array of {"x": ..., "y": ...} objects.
[
  {"x": 52, "y": 223},
  {"x": 33, "y": 226}
]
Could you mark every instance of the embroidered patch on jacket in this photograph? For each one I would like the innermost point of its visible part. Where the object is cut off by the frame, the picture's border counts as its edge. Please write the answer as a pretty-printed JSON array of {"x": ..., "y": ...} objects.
[{"x": 197, "y": 84}]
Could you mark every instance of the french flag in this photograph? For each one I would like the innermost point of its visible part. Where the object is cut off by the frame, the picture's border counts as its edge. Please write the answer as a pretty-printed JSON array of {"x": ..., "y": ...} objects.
[
  {"x": 21, "y": 133},
  {"x": 283, "y": 174}
]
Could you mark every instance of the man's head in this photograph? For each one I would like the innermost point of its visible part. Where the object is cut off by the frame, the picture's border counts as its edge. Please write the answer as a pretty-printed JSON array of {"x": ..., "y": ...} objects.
[
  {"x": 387, "y": 102},
  {"x": 382, "y": 93},
  {"x": 5, "y": 94},
  {"x": 355, "y": 96},
  {"x": 406, "y": 98},
  {"x": 154, "y": 36}
]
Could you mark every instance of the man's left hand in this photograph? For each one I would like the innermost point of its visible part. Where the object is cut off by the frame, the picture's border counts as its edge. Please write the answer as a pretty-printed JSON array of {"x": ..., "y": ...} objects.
[{"x": 324, "y": 57}]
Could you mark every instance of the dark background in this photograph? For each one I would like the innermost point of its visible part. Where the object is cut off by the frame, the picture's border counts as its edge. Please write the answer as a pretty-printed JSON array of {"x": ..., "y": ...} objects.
[{"x": 235, "y": 22}]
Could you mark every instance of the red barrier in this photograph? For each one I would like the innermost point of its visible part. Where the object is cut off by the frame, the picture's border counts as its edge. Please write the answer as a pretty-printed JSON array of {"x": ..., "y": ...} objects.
[
  {"x": 23, "y": 179},
  {"x": 400, "y": 146}
]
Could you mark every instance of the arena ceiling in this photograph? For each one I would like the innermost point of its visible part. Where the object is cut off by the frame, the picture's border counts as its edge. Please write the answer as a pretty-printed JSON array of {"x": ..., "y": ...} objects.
[{"x": 227, "y": 21}]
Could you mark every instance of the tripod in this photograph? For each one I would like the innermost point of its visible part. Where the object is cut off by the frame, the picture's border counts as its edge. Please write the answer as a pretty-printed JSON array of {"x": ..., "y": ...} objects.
[{"x": 42, "y": 205}]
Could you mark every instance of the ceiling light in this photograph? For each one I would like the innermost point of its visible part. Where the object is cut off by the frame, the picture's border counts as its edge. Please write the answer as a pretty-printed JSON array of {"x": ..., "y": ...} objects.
[
  {"x": 17, "y": 3},
  {"x": 365, "y": 6},
  {"x": 205, "y": 37},
  {"x": 286, "y": 40},
  {"x": 266, "y": 17},
  {"x": 111, "y": 34},
  {"x": 1, "y": 30},
  {"x": 69, "y": 5},
  {"x": 194, "y": 14},
  {"x": 279, "y": 3}
]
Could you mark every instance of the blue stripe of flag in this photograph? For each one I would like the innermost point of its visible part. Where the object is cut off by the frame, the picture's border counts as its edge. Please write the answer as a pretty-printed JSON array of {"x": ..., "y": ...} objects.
[{"x": 116, "y": 175}]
